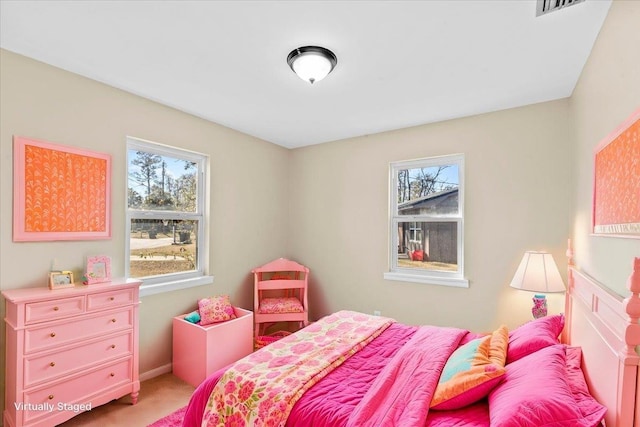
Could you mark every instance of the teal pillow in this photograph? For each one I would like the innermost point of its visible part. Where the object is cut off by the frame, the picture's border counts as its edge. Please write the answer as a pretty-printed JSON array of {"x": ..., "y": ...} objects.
[{"x": 193, "y": 317}]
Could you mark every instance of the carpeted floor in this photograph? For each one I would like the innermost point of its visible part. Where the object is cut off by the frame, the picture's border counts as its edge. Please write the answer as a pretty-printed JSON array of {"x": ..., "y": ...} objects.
[
  {"x": 159, "y": 397},
  {"x": 174, "y": 419}
]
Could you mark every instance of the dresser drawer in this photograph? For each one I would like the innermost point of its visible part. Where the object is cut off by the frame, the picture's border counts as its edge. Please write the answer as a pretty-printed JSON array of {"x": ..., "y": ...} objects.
[
  {"x": 111, "y": 299},
  {"x": 54, "y": 309},
  {"x": 52, "y": 365},
  {"x": 58, "y": 334},
  {"x": 77, "y": 390}
]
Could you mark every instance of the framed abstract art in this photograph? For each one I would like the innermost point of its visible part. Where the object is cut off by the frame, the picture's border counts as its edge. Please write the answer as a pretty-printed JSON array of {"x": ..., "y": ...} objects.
[
  {"x": 616, "y": 187},
  {"x": 60, "y": 192}
]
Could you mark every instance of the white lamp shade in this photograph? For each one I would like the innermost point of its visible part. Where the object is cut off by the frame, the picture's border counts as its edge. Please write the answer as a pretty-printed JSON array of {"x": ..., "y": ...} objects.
[{"x": 538, "y": 272}]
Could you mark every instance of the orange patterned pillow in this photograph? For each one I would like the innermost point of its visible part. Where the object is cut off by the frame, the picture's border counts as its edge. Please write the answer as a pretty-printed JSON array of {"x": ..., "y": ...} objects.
[
  {"x": 468, "y": 376},
  {"x": 499, "y": 345},
  {"x": 215, "y": 309}
]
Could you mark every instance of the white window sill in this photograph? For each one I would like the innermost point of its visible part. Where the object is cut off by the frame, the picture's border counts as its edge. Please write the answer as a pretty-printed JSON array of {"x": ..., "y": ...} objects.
[
  {"x": 430, "y": 280},
  {"x": 175, "y": 285}
]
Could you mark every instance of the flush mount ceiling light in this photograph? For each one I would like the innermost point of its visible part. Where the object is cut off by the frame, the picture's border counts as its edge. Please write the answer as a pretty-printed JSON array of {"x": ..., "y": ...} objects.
[{"x": 312, "y": 63}]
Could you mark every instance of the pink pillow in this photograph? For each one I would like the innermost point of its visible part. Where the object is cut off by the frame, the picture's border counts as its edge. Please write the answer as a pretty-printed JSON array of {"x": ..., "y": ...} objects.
[
  {"x": 280, "y": 305},
  {"x": 533, "y": 336},
  {"x": 588, "y": 406},
  {"x": 574, "y": 369},
  {"x": 215, "y": 309},
  {"x": 536, "y": 392}
]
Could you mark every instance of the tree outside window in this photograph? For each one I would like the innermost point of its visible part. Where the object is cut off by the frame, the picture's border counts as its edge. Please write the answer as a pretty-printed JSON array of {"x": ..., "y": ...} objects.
[{"x": 165, "y": 212}]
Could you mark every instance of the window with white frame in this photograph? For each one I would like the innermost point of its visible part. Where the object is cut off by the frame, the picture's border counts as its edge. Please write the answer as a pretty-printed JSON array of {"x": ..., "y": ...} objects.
[
  {"x": 165, "y": 216},
  {"x": 426, "y": 221}
]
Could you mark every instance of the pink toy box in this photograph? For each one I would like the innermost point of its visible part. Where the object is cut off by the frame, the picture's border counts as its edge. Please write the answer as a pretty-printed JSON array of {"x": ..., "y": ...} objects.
[{"x": 199, "y": 351}]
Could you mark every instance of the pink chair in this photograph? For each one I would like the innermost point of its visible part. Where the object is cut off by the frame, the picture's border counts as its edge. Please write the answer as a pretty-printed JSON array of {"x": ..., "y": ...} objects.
[{"x": 280, "y": 294}]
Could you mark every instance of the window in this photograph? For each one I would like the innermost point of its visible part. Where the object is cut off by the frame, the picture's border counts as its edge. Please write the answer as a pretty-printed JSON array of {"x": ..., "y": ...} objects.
[
  {"x": 426, "y": 221},
  {"x": 165, "y": 216}
]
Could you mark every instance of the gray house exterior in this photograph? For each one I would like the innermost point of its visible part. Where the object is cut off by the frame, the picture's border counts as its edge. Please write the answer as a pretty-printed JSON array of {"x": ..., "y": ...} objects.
[{"x": 438, "y": 240}]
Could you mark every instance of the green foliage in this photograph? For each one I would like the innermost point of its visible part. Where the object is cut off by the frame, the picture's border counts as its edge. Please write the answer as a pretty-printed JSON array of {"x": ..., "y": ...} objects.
[{"x": 161, "y": 190}]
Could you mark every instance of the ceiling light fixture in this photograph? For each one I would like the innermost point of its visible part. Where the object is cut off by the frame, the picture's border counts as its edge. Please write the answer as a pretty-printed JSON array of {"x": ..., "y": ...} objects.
[{"x": 312, "y": 63}]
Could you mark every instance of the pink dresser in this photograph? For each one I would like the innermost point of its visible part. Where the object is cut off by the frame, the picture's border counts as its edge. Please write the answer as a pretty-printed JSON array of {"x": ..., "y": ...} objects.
[
  {"x": 69, "y": 350},
  {"x": 199, "y": 351}
]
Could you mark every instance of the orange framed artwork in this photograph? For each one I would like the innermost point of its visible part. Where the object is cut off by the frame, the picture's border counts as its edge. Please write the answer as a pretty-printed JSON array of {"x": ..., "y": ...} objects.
[
  {"x": 60, "y": 192},
  {"x": 616, "y": 189}
]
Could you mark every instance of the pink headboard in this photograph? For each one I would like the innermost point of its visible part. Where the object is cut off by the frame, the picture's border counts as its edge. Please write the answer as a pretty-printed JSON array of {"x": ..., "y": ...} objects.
[{"x": 606, "y": 327}]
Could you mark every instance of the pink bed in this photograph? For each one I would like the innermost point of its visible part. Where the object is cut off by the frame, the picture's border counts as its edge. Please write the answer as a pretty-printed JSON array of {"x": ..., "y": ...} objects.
[
  {"x": 550, "y": 379},
  {"x": 331, "y": 401}
]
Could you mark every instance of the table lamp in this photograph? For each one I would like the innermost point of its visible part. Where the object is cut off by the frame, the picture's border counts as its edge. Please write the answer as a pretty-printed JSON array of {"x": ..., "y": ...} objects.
[{"x": 538, "y": 273}]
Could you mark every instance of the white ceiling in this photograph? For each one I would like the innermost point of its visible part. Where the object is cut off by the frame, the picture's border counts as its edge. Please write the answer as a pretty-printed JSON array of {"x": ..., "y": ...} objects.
[{"x": 400, "y": 63}]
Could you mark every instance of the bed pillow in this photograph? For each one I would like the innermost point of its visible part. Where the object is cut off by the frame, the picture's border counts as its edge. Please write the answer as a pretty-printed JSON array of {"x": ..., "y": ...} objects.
[
  {"x": 469, "y": 336},
  {"x": 215, "y": 309},
  {"x": 499, "y": 345},
  {"x": 533, "y": 336},
  {"x": 535, "y": 392},
  {"x": 590, "y": 408},
  {"x": 468, "y": 376}
]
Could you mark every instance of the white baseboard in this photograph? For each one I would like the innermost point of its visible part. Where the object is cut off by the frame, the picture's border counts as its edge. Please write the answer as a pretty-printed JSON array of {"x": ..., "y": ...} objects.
[{"x": 165, "y": 369}]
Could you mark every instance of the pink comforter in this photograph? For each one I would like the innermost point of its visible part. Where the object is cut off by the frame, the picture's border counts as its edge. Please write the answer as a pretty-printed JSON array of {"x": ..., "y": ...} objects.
[
  {"x": 368, "y": 387},
  {"x": 402, "y": 392}
]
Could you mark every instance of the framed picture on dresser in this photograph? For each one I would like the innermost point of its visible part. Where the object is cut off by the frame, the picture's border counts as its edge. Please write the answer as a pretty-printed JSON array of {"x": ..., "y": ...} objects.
[
  {"x": 60, "y": 279},
  {"x": 98, "y": 270}
]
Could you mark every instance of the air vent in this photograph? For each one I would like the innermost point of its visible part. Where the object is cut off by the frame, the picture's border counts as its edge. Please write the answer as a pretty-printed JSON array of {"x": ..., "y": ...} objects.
[{"x": 547, "y": 6}]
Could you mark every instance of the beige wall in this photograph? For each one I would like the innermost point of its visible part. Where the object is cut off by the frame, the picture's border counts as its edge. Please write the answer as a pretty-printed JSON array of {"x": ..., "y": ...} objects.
[
  {"x": 248, "y": 188},
  {"x": 607, "y": 93},
  {"x": 517, "y": 197}
]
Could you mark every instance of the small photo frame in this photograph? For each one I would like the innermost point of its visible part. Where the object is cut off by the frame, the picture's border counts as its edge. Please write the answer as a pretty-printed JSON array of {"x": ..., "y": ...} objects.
[
  {"x": 98, "y": 270},
  {"x": 60, "y": 279}
]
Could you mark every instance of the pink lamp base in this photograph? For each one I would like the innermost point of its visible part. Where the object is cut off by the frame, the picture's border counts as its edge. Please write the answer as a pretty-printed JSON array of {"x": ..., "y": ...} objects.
[{"x": 539, "y": 308}]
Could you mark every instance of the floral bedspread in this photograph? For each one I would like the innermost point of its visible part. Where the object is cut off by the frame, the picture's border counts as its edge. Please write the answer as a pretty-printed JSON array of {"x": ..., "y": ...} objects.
[{"x": 261, "y": 389}]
